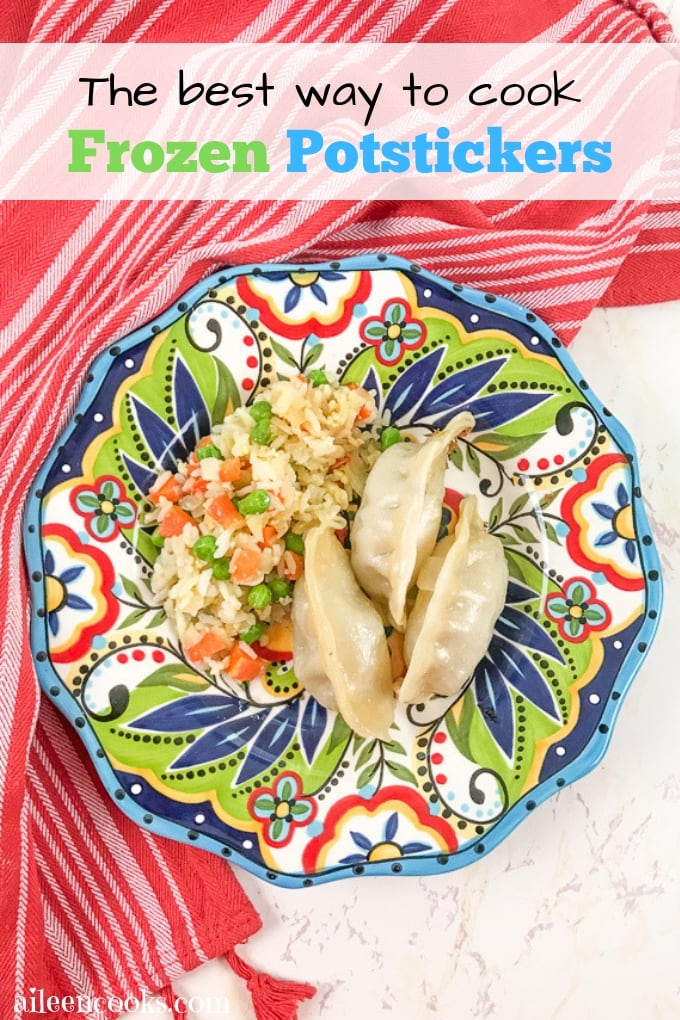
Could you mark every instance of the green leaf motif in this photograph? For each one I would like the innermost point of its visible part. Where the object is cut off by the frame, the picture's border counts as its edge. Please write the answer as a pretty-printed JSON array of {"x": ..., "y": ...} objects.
[
  {"x": 134, "y": 617},
  {"x": 299, "y": 810},
  {"x": 286, "y": 788},
  {"x": 514, "y": 568},
  {"x": 284, "y": 354},
  {"x": 366, "y": 753},
  {"x": 524, "y": 534},
  {"x": 312, "y": 356},
  {"x": 101, "y": 525},
  {"x": 87, "y": 502},
  {"x": 124, "y": 513},
  {"x": 456, "y": 457},
  {"x": 460, "y": 731},
  {"x": 495, "y": 515},
  {"x": 472, "y": 458},
  {"x": 227, "y": 397},
  {"x": 132, "y": 590},
  {"x": 277, "y": 828},
  {"x": 518, "y": 505},
  {"x": 504, "y": 447},
  {"x": 549, "y": 498},
  {"x": 401, "y": 772},
  {"x": 550, "y": 532},
  {"x": 506, "y": 538},
  {"x": 171, "y": 677},
  {"x": 394, "y": 747},
  {"x": 340, "y": 734},
  {"x": 375, "y": 332},
  {"x": 366, "y": 776}
]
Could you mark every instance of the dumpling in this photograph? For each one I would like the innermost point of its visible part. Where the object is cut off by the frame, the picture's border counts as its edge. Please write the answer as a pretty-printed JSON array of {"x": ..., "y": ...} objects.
[
  {"x": 462, "y": 591},
  {"x": 340, "y": 650},
  {"x": 396, "y": 526}
]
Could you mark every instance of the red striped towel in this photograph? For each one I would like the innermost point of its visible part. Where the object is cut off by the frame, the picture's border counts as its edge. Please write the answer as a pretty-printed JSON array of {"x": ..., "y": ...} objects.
[{"x": 90, "y": 904}]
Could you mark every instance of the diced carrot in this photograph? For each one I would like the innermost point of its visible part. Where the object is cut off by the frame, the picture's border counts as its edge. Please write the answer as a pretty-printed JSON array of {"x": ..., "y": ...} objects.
[
  {"x": 199, "y": 485},
  {"x": 209, "y": 646},
  {"x": 230, "y": 469},
  {"x": 205, "y": 441},
  {"x": 363, "y": 413},
  {"x": 352, "y": 386},
  {"x": 340, "y": 462},
  {"x": 244, "y": 664},
  {"x": 222, "y": 510},
  {"x": 173, "y": 522},
  {"x": 171, "y": 489},
  {"x": 269, "y": 536},
  {"x": 293, "y": 564},
  {"x": 244, "y": 564}
]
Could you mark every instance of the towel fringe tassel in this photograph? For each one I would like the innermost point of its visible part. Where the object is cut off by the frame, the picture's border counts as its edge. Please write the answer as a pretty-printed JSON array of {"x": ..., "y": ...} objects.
[{"x": 273, "y": 999}]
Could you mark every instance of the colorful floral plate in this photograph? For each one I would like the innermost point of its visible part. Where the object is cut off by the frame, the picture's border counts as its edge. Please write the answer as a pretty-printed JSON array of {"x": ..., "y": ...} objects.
[{"x": 262, "y": 773}]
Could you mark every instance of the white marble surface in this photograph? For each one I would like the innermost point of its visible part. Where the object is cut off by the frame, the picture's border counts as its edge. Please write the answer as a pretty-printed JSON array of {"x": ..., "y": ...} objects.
[{"x": 576, "y": 915}]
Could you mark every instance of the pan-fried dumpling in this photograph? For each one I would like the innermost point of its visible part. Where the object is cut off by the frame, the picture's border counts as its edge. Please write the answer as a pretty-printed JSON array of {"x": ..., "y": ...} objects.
[
  {"x": 462, "y": 591},
  {"x": 339, "y": 647},
  {"x": 396, "y": 526}
]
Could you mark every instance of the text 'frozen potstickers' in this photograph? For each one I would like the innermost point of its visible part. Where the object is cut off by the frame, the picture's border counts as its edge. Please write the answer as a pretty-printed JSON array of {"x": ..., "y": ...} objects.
[{"x": 396, "y": 526}]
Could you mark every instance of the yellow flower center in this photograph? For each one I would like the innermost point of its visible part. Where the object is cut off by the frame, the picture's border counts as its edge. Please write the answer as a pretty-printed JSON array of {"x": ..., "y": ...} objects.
[
  {"x": 623, "y": 522},
  {"x": 384, "y": 852},
  {"x": 107, "y": 506},
  {"x": 56, "y": 593},
  {"x": 576, "y": 612},
  {"x": 282, "y": 809},
  {"x": 393, "y": 331},
  {"x": 304, "y": 279}
]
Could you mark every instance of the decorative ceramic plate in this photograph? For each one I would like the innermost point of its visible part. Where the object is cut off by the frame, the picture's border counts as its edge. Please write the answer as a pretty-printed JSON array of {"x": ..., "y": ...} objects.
[{"x": 263, "y": 774}]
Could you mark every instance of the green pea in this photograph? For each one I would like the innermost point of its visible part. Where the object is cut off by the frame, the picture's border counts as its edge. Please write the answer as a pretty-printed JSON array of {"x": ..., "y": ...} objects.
[
  {"x": 317, "y": 377},
  {"x": 295, "y": 543},
  {"x": 261, "y": 433},
  {"x": 260, "y": 596},
  {"x": 204, "y": 547},
  {"x": 221, "y": 568},
  {"x": 203, "y": 452},
  {"x": 261, "y": 410},
  {"x": 157, "y": 540},
  {"x": 256, "y": 502},
  {"x": 389, "y": 437},
  {"x": 253, "y": 633},
  {"x": 279, "y": 588}
]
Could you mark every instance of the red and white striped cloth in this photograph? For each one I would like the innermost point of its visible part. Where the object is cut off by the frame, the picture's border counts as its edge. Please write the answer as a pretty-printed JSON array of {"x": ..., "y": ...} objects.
[{"x": 90, "y": 904}]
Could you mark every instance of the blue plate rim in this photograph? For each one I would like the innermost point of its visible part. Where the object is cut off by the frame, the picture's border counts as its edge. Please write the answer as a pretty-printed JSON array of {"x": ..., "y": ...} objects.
[{"x": 586, "y": 761}]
